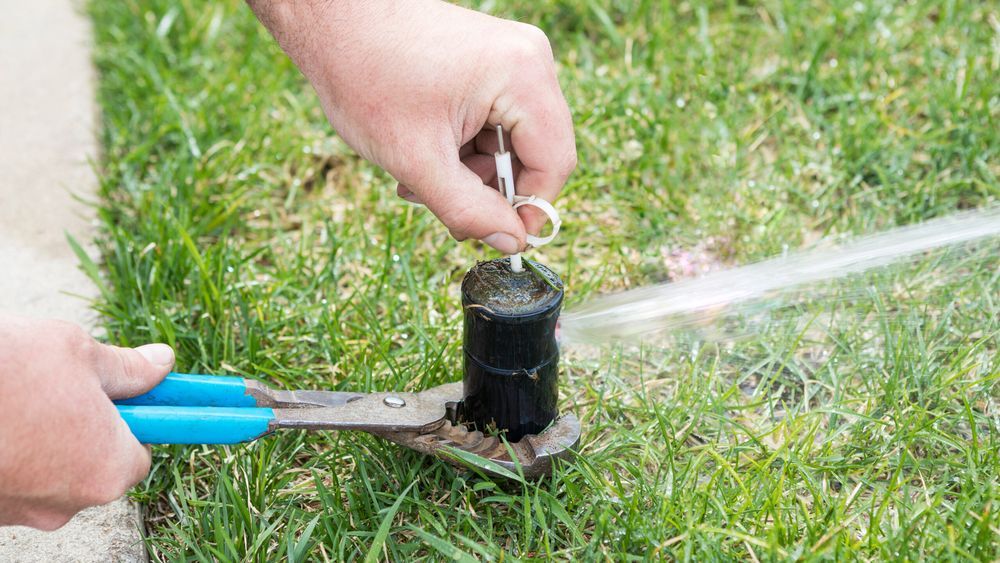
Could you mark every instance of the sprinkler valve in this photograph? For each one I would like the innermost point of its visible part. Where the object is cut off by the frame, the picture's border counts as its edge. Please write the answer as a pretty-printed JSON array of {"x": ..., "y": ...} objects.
[{"x": 510, "y": 352}]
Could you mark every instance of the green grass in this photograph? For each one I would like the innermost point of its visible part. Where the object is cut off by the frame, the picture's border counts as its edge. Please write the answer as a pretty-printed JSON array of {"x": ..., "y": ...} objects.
[{"x": 239, "y": 229}]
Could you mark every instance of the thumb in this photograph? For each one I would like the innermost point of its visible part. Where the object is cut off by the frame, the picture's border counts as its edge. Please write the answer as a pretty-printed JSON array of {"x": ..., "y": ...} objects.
[
  {"x": 127, "y": 372},
  {"x": 470, "y": 208}
]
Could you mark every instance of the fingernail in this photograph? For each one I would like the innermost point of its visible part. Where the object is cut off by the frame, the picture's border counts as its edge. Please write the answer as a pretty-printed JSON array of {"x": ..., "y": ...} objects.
[
  {"x": 157, "y": 354},
  {"x": 503, "y": 242}
]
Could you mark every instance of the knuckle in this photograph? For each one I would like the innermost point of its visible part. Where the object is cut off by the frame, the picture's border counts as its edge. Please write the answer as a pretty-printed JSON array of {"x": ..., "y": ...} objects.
[
  {"x": 78, "y": 341},
  {"x": 71, "y": 333},
  {"x": 536, "y": 37},
  {"x": 531, "y": 45},
  {"x": 567, "y": 163}
]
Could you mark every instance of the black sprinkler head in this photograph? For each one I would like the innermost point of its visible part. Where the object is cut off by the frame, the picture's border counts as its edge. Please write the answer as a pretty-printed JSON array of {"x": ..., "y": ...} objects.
[{"x": 510, "y": 352}]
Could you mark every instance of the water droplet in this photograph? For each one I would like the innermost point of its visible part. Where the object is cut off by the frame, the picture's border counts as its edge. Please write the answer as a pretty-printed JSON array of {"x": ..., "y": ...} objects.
[
  {"x": 395, "y": 257},
  {"x": 681, "y": 103}
]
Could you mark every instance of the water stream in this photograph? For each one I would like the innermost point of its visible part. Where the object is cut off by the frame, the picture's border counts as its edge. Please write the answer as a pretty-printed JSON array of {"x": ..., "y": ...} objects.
[{"x": 688, "y": 303}]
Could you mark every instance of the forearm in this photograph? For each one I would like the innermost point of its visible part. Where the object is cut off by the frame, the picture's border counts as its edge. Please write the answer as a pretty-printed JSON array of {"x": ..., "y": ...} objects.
[{"x": 319, "y": 34}]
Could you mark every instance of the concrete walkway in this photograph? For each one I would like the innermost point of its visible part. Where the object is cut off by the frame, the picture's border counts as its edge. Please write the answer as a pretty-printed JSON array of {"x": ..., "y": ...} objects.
[{"x": 47, "y": 136}]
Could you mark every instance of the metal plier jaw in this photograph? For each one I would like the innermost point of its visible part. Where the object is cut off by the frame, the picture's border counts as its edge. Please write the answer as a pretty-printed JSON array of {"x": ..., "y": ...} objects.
[{"x": 200, "y": 409}]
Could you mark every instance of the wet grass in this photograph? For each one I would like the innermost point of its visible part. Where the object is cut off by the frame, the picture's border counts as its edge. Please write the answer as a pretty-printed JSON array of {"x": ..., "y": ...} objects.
[{"x": 237, "y": 228}]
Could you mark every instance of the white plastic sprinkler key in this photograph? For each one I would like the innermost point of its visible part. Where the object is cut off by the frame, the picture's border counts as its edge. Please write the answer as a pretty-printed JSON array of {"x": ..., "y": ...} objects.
[{"x": 505, "y": 180}]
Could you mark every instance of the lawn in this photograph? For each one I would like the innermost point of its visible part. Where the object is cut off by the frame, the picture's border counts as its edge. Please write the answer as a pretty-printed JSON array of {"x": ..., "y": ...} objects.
[{"x": 238, "y": 228}]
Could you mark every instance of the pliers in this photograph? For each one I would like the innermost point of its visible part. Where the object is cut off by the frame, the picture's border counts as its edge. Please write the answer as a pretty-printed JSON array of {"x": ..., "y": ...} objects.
[{"x": 211, "y": 409}]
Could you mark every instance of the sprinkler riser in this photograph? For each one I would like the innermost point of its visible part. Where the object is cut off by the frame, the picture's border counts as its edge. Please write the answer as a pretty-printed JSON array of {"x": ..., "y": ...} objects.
[{"x": 511, "y": 359}]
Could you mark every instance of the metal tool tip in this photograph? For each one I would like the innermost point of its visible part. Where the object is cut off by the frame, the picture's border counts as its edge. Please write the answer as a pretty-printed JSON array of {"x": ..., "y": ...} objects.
[{"x": 500, "y": 138}]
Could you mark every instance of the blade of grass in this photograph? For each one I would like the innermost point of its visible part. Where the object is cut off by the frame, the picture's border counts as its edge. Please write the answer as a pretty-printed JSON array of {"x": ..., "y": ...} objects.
[{"x": 383, "y": 529}]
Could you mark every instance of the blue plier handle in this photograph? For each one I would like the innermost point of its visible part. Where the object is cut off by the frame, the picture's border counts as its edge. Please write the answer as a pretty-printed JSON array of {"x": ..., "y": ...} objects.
[
  {"x": 196, "y": 409},
  {"x": 212, "y": 409}
]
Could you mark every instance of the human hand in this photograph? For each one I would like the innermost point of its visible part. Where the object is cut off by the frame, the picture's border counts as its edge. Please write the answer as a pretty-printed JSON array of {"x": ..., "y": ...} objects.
[
  {"x": 63, "y": 446},
  {"x": 418, "y": 88}
]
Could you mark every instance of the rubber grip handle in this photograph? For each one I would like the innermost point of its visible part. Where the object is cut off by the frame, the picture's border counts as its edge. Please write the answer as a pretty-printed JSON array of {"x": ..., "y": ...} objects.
[
  {"x": 192, "y": 390},
  {"x": 196, "y": 425}
]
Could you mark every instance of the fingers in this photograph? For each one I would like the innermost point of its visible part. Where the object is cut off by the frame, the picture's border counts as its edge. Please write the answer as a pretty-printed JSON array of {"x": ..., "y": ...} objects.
[
  {"x": 484, "y": 166},
  {"x": 122, "y": 464},
  {"x": 127, "y": 372},
  {"x": 469, "y": 208},
  {"x": 547, "y": 163},
  {"x": 72, "y": 448},
  {"x": 483, "y": 163},
  {"x": 139, "y": 459},
  {"x": 541, "y": 131},
  {"x": 486, "y": 141}
]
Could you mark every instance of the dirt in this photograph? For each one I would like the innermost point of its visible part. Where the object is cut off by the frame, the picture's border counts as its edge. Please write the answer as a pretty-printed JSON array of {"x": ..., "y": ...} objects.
[{"x": 498, "y": 290}]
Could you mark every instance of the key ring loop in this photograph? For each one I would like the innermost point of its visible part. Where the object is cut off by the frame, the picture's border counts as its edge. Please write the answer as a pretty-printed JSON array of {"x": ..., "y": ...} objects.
[{"x": 548, "y": 209}]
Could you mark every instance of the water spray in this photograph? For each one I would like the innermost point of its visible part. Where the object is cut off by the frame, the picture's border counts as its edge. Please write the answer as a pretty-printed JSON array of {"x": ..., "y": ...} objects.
[{"x": 679, "y": 305}]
